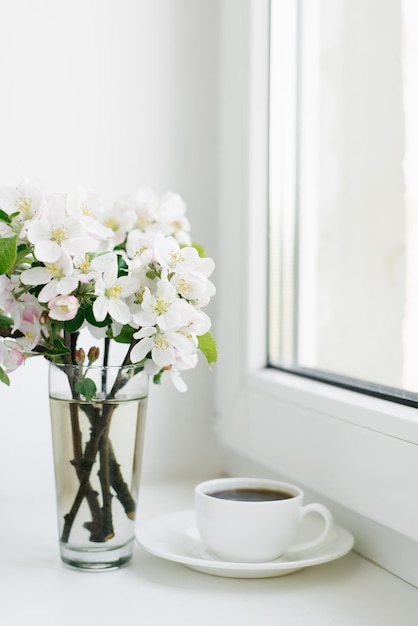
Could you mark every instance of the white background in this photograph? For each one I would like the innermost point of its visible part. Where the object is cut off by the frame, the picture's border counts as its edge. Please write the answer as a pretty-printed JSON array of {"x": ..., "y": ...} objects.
[{"x": 113, "y": 95}]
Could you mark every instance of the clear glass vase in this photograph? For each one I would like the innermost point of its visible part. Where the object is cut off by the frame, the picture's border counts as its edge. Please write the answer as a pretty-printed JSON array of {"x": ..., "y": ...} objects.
[{"x": 98, "y": 420}]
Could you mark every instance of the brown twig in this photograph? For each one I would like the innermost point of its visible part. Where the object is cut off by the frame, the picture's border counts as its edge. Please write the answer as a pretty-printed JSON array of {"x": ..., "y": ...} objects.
[{"x": 99, "y": 430}]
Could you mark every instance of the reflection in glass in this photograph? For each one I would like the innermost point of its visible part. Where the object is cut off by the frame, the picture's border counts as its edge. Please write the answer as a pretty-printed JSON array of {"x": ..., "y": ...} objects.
[{"x": 344, "y": 220}]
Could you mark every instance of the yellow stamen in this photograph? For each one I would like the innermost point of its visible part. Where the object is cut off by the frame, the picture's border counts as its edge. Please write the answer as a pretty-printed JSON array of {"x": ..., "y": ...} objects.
[
  {"x": 24, "y": 205},
  {"x": 176, "y": 257},
  {"x": 112, "y": 223},
  {"x": 183, "y": 286},
  {"x": 161, "y": 306},
  {"x": 84, "y": 265},
  {"x": 140, "y": 250},
  {"x": 161, "y": 343},
  {"x": 114, "y": 292},
  {"x": 139, "y": 295},
  {"x": 87, "y": 211},
  {"x": 53, "y": 268},
  {"x": 58, "y": 234},
  {"x": 143, "y": 220}
]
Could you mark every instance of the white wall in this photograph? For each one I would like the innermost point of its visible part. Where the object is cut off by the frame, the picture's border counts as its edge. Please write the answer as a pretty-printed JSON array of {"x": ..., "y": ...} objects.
[{"x": 113, "y": 95}]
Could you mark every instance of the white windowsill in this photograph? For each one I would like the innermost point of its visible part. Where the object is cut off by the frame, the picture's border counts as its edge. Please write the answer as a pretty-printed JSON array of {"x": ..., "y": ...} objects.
[{"x": 156, "y": 592}]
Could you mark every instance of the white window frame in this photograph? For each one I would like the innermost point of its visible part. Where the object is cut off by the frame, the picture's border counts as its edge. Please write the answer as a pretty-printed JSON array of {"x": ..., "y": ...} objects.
[{"x": 357, "y": 453}]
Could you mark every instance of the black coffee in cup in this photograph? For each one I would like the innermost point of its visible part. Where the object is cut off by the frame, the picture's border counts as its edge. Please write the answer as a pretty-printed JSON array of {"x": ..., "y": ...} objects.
[{"x": 251, "y": 494}]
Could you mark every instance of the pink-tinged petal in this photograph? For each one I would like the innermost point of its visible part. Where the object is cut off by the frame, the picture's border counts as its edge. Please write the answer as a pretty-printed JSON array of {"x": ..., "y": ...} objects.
[
  {"x": 63, "y": 308},
  {"x": 141, "y": 349},
  {"x": 16, "y": 357},
  {"x": 100, "y": 308}
]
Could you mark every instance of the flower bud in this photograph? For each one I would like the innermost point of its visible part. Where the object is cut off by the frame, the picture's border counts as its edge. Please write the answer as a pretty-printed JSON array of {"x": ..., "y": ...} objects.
[
  {"x": 93, "y": 354},
  {"x": 79, "y": 356}
]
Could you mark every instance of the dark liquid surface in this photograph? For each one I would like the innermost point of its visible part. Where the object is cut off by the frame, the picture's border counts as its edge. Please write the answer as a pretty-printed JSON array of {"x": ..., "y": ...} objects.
[{"x": 248, "y": 494}]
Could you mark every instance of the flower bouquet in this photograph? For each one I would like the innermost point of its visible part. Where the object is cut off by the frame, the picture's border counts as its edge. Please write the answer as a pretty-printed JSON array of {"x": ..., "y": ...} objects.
[{"x": 75, "y": 271}]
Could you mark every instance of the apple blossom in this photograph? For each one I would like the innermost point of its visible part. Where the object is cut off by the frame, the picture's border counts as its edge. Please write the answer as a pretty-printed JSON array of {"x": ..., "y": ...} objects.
[
  {"x": 55, "y": 232},
  {"x": 63, "y": 307},
  {"x": 57, "y": 278},
  {"x": 126, "y": 272},
  {"x": 111, "y": 293}
]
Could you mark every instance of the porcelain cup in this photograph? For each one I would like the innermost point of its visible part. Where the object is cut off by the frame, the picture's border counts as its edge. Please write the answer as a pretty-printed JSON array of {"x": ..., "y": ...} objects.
[{"x": 254, "y": 531}]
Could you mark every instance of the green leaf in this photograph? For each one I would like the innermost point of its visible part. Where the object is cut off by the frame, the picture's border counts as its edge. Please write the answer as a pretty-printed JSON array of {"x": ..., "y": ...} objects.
[
  {"x": 86, "y": 387},
  {"x": 207, "y": 344},
  {"x": 122, "y": 266},
  {"x": 22, "y": 252},
  {"x": 157, "y": 377},
  {"x": 125, "y": 335},
  {"x": 73, "y": 325},
  {"x": 58, "y": 348},
  {"x": 4, "y": 217},
  {"x": 5, "y": 321},
  {"x": 200, "y": 249},
  {"x": 4, "y": 377},
  {"x": 7, "y": 254}
]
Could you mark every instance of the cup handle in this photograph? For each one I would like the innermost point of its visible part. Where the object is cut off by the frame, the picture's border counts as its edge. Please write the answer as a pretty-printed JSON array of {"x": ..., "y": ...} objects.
[{"x": 328, "y": 525}]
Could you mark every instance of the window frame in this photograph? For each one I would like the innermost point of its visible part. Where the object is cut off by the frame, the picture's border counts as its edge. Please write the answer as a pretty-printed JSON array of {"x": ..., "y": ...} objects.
[{"x": 276, "y": 422}]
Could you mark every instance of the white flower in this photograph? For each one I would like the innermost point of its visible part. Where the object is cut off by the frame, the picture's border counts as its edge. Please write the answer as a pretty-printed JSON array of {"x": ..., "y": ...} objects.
[
  {"x": 163, "y": 308},
  {"x": 86, "y": 205},
  {"x": 168, "y": 254},
  {"x": 140, "y": 248},
  {"x": 10, "y": 356},
  {"x": 171, "y": 215},
  {"x": 83, "y": 268},
  {"x": 26, "y": 200},
  {"x": 198, "y": 322},
  {"x": 31, "y": 335},
  {"x": 54, "y": 232},
  {"x": 119, "y": 219},
  {"x": 165, "y": 347},
  {"x": 57, "y": 277},
  {"x": 18, "y": 306},
  {"x": 144, "y": 206},
  {"x": 120, "y": 270},
  {"x": 194, "y": 286},
  {"x": 111, "y": 293}
]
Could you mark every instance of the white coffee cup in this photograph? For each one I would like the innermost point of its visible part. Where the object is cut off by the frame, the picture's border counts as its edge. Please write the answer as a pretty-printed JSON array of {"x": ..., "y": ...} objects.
[{"x": 254, "y": 531}]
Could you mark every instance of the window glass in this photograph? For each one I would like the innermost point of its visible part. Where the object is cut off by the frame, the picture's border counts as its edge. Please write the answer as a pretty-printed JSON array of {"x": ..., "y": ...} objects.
[{"x": 344, "y": 191}]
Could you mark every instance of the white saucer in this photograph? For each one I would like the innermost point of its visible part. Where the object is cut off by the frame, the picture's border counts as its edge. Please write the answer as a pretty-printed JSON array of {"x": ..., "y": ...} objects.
[{"x": 175, "y": 537}]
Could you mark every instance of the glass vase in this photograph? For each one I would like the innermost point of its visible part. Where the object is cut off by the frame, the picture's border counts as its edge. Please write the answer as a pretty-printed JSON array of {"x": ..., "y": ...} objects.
[{"x": 98, "y": 420}]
